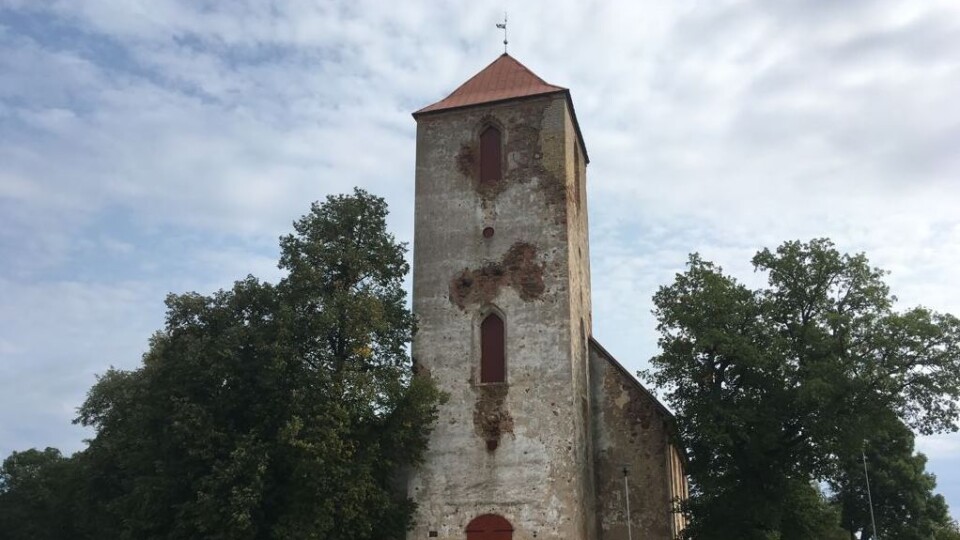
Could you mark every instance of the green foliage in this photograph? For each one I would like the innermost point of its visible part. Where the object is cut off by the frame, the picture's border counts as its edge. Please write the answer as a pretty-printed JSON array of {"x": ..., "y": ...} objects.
[
  {"x": 270, "y": 411},
  {"x": 902, "y": 491},
  {"x": 36, "y": 495},
  {"x": 949, "y": 531},
  {"x": 779, "y": 386}
]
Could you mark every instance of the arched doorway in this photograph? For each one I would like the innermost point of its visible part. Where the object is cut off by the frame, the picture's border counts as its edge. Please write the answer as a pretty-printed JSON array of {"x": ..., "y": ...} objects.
[{"x": 489, "y": 527}]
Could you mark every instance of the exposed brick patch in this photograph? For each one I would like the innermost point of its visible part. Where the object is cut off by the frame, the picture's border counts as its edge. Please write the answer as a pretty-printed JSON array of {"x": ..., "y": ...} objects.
[
  {"x": 530, "y": 160},
  {"x": 467, "y": 162},
  {"x": 523, "y": 156},
  {"x": 419, "y": 370},
  {"x": 518, "y": 269},
  {"x": 491, "y": 419}
]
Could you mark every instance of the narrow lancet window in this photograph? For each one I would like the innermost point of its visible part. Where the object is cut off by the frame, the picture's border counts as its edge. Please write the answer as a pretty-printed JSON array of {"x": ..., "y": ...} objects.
[
  {"x": 490, "y": 162},
  {"x": 492, "y": 353}
]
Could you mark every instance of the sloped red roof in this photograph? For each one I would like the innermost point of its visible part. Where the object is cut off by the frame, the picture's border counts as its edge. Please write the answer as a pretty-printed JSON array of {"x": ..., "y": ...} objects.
[{"x": 505, "y": 78}]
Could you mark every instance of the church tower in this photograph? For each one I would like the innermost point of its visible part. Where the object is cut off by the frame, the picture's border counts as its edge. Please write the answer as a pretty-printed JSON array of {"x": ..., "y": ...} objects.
[{"x": 501, "y": 289}]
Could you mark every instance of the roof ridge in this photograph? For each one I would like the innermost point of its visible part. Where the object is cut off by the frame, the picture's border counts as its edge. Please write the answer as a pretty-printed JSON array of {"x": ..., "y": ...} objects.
[
  {"x": 528, "y": 70},
  {"x": 488, "y": 66}
]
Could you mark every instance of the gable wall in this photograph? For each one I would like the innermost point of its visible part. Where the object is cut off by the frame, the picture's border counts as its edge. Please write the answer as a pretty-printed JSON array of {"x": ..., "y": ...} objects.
[{"x": 630, "y": 428}]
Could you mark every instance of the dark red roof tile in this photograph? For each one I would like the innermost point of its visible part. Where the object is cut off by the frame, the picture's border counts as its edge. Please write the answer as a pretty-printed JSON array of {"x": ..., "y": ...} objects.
[{"x": 505, "y": 78}]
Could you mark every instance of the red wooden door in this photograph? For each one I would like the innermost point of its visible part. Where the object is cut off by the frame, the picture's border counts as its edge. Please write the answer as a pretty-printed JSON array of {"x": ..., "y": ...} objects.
[{"x": 489, "y": 527}]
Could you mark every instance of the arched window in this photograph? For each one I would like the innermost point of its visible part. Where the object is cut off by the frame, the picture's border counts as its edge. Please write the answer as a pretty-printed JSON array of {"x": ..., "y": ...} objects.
[
  {"x": 492, "y": 353},
  {"x": 490, "y": 163},
  {"x": 489, "y": 527}
]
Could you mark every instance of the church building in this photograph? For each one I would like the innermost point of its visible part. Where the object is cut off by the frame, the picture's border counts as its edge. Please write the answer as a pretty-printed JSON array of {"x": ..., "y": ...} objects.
[{"x": 545, "y": 435}]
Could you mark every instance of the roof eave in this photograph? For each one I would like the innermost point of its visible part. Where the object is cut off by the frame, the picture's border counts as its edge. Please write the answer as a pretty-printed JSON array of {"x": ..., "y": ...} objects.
[
  {"x": 565, "y": 91},
  {"x": 427, "y": 110},
  {"x": 576, "y": 126}
]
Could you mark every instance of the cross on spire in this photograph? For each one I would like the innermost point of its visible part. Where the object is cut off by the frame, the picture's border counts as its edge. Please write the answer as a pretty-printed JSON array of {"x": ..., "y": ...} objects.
[{"x": 503, "y": 26}]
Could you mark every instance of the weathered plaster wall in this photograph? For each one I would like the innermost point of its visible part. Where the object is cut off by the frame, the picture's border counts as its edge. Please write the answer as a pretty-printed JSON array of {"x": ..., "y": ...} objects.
[
  {"x": 581, "y": 318},
  {"x": 632, "y": 429},
  {"x": 534, "y": 272}
]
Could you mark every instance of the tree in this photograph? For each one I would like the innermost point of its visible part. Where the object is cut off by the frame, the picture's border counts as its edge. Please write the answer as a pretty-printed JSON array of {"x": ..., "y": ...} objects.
[
  {"x": 902, "y": 491},
  {"x": 950, "y": 531},
  {"x": 262, "y": 411},
  {"x": 775, "y": 387},
  {"x": 37, "y": 495}
]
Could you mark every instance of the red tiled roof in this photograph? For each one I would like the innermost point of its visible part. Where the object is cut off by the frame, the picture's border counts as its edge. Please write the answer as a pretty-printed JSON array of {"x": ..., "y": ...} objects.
[{"x": 505, "y": 78}]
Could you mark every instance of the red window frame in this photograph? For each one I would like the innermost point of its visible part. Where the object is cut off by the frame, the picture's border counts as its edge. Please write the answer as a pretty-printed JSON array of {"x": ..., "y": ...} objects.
[
  {"x": 493, "y": 368},
  {"x": 491, "y": 162}
]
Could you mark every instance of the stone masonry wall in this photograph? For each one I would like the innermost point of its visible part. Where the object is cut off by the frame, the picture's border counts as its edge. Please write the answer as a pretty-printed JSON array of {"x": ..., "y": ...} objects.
[
  {"x": 533, "y": 272},
  {"x": 631, "y": 429},
  {"x": 581, "y": 319}
]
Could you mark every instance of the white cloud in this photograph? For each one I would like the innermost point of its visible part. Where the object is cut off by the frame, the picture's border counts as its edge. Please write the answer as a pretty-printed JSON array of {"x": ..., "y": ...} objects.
[
  {"x": 150, "y": 146},
  {"x": 940, "y": 447}
]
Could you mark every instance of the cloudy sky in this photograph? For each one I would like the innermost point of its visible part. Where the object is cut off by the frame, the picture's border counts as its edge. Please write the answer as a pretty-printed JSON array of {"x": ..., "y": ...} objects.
[{"x": 155, "y": 146}]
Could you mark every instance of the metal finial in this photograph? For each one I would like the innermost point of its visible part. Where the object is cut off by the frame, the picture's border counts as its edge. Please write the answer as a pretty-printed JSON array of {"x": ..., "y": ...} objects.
[{"x": 503, "y": 26}]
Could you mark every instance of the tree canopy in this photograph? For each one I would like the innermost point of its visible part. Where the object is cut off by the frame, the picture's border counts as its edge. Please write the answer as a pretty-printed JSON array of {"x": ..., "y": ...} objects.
[
  {"x": 265, "y": 411},
  {"x": 37, "y": 489},
  {"x": 901, "y": 490},
  {"x": 777, "y": 389}
]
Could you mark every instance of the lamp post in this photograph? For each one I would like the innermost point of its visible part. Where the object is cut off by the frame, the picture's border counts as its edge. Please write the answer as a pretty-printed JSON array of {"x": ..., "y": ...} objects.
[
  {"x": 873, "y": 520},
  {"x": 626, "y": 491}
]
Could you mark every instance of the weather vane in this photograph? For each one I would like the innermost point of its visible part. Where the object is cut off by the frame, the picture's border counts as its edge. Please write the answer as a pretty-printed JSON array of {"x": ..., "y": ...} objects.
[{"x": 503, "y": 26}]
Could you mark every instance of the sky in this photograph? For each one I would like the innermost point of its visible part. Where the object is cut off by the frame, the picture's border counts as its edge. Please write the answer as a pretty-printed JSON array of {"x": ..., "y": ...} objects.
[{"x": 158, "y": 146}]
